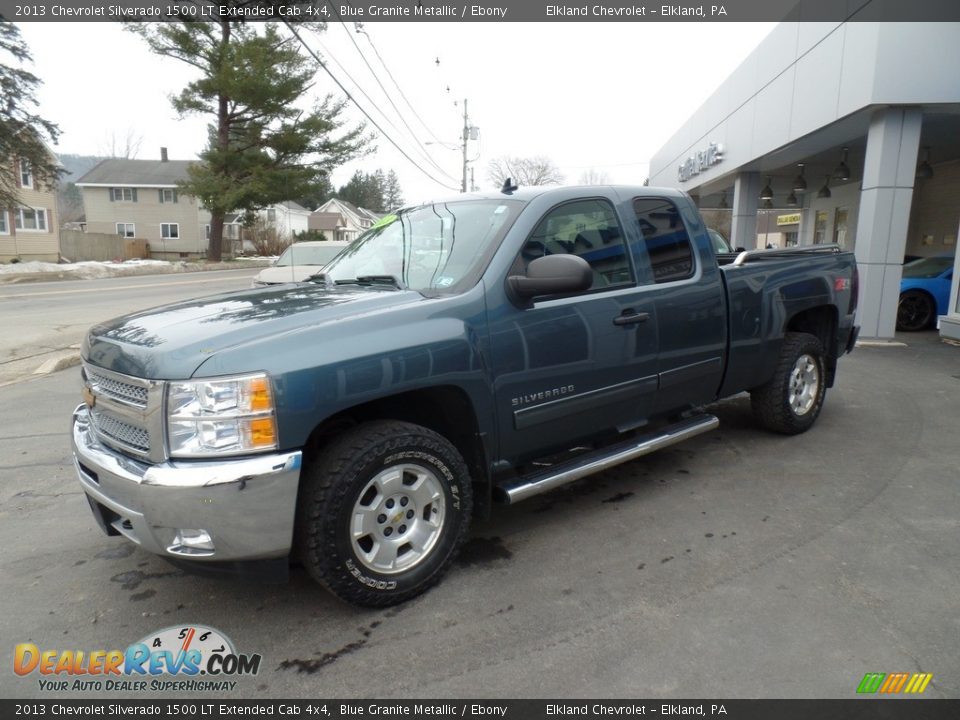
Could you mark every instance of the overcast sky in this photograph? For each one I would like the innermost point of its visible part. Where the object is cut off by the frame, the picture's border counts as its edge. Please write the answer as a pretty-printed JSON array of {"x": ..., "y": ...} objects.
[{"x": 593, "y": 95}]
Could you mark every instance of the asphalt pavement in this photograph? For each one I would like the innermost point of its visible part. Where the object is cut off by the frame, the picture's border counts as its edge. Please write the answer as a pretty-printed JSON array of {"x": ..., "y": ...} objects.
[{"x": 737, "y": 565}]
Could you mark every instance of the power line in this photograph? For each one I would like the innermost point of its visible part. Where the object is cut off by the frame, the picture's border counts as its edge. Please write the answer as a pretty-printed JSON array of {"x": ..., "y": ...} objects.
[
  {"x": 356, "y": 84},
  {"x": 426, "y": 127},
  {"x": 387, "y": 94},
  {"x": 346, "y": 92}
]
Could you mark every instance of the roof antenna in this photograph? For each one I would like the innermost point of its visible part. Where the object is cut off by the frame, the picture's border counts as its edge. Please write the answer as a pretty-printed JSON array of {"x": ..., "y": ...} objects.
[{"x": 508, "y": 186}]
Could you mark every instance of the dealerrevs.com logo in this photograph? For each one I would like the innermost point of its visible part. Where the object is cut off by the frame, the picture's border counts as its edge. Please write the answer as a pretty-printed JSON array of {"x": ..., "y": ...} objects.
[{"x": 179, "y": 658}]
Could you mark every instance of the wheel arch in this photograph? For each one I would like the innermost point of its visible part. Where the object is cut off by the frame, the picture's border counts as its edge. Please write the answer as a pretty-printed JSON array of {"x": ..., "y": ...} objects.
[
  {"x": 821, "y": 322},
  {"x": 445, "y": 409}
]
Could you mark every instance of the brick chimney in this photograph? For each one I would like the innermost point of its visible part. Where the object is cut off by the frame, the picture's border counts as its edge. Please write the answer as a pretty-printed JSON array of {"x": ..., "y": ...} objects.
[{"x": 163, "y": 155}]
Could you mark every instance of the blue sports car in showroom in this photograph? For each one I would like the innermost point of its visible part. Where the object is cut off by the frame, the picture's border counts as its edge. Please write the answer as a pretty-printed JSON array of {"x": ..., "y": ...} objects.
[{"x": 924, "y": 292}]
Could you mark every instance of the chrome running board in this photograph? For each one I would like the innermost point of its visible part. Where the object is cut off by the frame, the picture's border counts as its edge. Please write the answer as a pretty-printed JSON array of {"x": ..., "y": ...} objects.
[{"x": 540, "y": 482}]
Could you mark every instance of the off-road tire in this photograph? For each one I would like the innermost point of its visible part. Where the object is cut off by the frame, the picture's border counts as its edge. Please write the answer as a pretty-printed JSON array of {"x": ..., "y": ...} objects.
[
  {"x": 788, "y": 403},
  {"x": 335, "y": 505}
]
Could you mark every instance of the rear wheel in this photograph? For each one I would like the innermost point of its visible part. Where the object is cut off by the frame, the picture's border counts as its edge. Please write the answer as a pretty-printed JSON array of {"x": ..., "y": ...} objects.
[
  {"x": 915, "y": 311},
  {"x": 791, "y": 401},
  {"x": 383, "y": 511}
]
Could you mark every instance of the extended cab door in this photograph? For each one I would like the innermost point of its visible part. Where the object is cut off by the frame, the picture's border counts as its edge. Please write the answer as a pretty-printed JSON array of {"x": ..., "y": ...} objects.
[
  {"x": 677, "y": 259},
  {"x": 568, "y": 368}
]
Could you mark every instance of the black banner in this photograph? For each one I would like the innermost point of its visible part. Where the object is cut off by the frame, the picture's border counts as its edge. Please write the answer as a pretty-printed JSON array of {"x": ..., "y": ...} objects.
[
  {"x": 486, "y": 11},
  {"x": 188, "y": 709}
]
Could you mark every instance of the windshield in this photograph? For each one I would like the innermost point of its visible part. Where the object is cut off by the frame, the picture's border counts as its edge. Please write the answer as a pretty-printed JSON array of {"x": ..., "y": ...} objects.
[
  {"x": 310, "y": 255},
  {"x": 927, "y": 267},
  {"x": 442, "y": 247}
]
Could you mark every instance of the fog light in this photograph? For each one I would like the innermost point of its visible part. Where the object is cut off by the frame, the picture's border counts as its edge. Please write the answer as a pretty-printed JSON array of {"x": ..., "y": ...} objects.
[{"x": 191, "y": 542}]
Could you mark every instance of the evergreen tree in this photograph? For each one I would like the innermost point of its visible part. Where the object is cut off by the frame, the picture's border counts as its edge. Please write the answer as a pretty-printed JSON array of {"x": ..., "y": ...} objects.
[
  {"x": 22, "y": 131},
  {"x": 363, "y": 190},
  {"x": 264, "y": 147},
  {"x": 392, "y": 194}
]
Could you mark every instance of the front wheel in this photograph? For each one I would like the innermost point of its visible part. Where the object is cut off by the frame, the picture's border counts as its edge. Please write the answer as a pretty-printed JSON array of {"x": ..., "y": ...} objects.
[
  {"x": 791, "y": 401},
  {"x": 382, "y": 512}
]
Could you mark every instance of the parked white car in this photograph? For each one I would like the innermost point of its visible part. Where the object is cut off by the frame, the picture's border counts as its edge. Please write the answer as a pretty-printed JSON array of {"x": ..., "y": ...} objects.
[{"x": 299, "y": 262}]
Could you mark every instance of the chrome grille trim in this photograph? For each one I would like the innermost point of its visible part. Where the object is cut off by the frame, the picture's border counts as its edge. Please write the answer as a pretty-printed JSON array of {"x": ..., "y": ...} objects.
[
  {"x": 129, "y": 436},
  {"x": 127, "y": 414},
  {"x": 117, "y": 389}
]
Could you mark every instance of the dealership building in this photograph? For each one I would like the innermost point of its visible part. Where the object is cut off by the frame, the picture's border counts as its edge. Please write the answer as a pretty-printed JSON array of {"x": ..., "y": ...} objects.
[{"x": 844, "y": 133}]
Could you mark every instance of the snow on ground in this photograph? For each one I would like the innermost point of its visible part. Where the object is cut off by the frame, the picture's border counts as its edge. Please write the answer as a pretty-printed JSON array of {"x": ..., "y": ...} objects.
[
  {"x": 79, "y": 270},
  {"x": 89, "y": 270}
]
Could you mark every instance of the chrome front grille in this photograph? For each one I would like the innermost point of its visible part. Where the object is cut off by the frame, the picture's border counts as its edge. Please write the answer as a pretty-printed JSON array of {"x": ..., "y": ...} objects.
[
  {"x": 126, "y": 412},
  {"x": 122, "y": 432},
  {"x": 117, "y": 389}
]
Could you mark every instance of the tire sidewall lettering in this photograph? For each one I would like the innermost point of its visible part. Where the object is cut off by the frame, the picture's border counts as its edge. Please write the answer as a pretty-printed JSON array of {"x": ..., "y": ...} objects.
[
  {"x": 369, "y": 581},
  {"x": 434, "y": 462}
]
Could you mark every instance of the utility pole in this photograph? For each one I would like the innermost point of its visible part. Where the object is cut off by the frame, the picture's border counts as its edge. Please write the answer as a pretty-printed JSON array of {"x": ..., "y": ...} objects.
[{"x": 466, "y": 135}]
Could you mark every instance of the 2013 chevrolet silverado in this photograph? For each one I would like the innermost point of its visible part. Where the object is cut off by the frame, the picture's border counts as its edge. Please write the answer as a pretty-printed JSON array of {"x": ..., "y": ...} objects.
[{"x": 357, "y": 421}]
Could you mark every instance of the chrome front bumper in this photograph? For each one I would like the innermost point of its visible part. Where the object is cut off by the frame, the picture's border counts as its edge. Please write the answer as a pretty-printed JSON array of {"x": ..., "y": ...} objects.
[{"x": 246, "y": 506}]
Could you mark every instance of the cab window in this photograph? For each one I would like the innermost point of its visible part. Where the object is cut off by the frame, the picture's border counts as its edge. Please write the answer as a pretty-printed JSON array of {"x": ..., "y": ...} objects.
[
  {"x": 588, "y": 228},
  {"x": 665, "y": 239}
]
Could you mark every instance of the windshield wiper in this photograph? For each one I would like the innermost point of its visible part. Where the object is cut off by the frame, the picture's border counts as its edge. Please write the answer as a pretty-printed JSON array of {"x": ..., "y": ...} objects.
[{"x": 391, "y": 280}]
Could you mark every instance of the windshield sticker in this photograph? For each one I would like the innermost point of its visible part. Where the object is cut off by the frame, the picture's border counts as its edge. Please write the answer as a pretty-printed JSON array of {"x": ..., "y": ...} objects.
[
  {"x": 444, "y": 281},
  {"x": 500, "y": 209},
  {"x": 384, "y": 221}
]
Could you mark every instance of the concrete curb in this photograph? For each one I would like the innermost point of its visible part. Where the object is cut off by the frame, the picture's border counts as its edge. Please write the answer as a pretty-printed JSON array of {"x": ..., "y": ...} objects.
[
  {"x": 881, "y": 343},
  {"x": 56, "y": 364}
]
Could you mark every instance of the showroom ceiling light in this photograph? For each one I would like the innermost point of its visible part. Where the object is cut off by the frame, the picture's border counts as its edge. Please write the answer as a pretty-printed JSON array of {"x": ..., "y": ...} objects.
[
  {"x": 800, "y": 182},
  {"x": 791, "y": 200},
  {"x": 825, "y": 190},
  {"x": 768, "y": 204},
  {"x": 925, "y": 170},
  {"x": 767, "y": 192},
  {"x": 842, "y": 172}
]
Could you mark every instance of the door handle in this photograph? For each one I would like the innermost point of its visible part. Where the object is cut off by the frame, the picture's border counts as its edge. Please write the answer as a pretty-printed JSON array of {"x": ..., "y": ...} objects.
[{"x": 631, "y": 319}]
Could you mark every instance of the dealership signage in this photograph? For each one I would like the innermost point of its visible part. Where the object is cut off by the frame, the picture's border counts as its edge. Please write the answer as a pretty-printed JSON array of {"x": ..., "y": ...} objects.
[
  {"x": 791, "y": 219},
  {"x": 700, "y": 161}
]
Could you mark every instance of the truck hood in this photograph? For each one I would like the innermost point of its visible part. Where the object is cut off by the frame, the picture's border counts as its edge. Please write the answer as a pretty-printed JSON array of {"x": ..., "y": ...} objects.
[{"x": 172, "y": 341}]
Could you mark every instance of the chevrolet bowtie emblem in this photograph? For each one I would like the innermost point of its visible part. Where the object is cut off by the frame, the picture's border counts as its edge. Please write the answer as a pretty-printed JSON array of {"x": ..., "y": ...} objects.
[{"x": 88, "y": 397}]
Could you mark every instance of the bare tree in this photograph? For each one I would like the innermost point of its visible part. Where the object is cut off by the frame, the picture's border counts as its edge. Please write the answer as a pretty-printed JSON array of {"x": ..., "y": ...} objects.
[
  {"x": 125, "y": 147},
  {"x": 538, "y": 170},
  {"x": 594, "y": 177}
]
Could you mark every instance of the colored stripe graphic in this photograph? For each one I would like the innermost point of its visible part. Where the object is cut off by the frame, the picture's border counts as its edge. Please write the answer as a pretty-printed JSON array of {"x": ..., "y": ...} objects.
[
  {"x": 918, "y": 683},
  {"x": 893, "y": 683},
  {"x": 871, "y": 682}
]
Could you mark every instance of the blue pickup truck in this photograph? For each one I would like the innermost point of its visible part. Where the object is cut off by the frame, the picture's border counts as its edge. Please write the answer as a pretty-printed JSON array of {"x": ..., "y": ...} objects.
[{"x": 356, "y": 422}]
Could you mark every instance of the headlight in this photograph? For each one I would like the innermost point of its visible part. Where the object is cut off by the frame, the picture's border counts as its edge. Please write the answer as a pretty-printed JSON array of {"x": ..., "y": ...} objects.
[{"x": 221, "y": 416}]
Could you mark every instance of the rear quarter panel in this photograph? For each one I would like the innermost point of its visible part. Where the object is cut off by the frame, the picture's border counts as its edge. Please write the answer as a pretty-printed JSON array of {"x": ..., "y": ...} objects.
[{"x": 765, "y": 295}]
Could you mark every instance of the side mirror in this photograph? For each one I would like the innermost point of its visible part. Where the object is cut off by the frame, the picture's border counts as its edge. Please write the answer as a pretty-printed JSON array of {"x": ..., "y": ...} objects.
[{"x": 552, "y": 275}]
